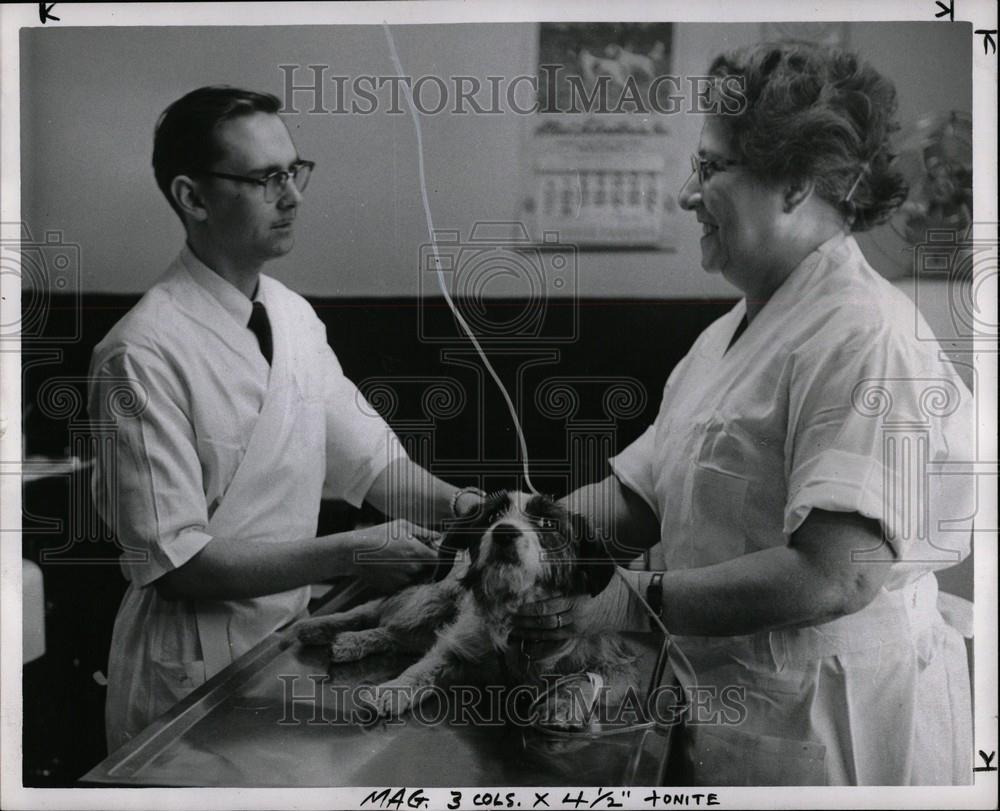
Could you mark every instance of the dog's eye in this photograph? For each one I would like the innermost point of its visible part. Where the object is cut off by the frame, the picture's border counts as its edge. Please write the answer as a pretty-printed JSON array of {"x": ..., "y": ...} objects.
[{"x": 548, "y": 523}]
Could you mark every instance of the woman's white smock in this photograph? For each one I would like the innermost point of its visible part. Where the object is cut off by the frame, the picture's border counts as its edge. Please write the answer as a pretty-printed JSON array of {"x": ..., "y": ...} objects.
[{"x": 829, "y": 400}]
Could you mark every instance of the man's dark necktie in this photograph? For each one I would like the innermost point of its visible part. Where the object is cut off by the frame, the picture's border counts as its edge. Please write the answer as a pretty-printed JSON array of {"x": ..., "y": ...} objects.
[
  {"x": 736, "y": 335},
  {"x": 261, "y": 327}
]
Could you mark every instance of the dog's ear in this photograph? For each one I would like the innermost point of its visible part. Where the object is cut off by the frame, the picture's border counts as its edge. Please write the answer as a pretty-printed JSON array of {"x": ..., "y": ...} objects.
[
  {"x": 461, "y": 532},
  {"x": 579, "y": 529},
  {"x": 465, "y": 533},
  {"x": 594, "y": 568},
  {"x": 472, "y": 578}
]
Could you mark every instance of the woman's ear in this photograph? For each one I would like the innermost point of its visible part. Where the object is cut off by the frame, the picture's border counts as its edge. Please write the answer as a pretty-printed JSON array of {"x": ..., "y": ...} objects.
[{"x": 796, "y": 192}]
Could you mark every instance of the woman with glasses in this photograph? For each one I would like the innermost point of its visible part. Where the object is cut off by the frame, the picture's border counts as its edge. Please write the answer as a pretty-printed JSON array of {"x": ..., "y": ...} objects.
[{"x": 796, "y": 521}]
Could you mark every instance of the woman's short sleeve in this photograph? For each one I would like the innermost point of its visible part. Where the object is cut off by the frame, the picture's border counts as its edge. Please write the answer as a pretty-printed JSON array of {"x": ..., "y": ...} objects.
[
  {"x": 634, "y": 467},
  {"x": 877, "y": 426}
]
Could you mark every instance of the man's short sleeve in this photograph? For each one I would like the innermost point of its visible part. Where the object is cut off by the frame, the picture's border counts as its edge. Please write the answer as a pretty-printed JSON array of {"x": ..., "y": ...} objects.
[{"x": 147, "y": 481}]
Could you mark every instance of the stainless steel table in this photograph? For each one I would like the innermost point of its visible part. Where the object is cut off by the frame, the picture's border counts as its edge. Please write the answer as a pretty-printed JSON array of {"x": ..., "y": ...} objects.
[{"x": 257, "y": 723}]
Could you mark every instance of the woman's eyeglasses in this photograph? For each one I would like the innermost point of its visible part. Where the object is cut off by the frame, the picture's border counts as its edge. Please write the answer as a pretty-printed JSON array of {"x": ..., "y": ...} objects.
[
  {"x": 275, "y": 183},
  {"x": 704, "y": 168}
]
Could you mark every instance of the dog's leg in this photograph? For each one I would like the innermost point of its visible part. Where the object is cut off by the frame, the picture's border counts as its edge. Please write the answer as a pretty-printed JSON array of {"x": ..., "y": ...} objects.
[
  {"x": 617, "y": 666},
  {"x": 414, "y": 618},
  {"x": 578, "y": 706},
  {"x": 321, "y": 630},
  {"x": 465, "y": 640},
  {"x": 351, "y": 646},
  {"x": 617, "y": 669}
]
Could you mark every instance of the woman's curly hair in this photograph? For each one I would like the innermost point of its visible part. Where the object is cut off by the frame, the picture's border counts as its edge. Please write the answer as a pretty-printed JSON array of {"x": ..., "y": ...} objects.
[{"x": 817, "y": 112}]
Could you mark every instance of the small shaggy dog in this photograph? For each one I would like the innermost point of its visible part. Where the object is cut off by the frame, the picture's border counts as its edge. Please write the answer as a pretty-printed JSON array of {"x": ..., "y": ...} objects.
[{"x": 522, "y": 549}]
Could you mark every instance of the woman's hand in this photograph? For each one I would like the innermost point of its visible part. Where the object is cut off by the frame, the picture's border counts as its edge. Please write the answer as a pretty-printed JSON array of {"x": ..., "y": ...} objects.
[{"x": 547, "y": 619}]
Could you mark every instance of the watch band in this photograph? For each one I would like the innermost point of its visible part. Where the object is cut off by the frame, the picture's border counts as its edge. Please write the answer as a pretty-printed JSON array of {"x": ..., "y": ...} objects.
[
  {"x": 654, "y": 597},
  {"x": 461, "y": 492}
]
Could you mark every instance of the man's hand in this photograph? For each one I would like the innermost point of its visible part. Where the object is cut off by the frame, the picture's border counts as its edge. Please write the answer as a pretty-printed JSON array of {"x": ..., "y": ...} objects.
[
  {"x": 468, "y": 503},
  {"x": 390, "y": 556}
]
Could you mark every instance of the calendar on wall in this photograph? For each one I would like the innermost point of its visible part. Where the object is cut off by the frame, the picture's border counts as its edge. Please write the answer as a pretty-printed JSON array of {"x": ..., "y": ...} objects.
[
  {"x": 600, "y": 157},
  {"x": 602, "y": 189}
]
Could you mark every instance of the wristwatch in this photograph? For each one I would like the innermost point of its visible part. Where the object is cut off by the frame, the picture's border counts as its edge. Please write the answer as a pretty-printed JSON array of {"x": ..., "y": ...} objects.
[
  {"x": 654, "y": 598},
  {"x": 461, "y": 492}
]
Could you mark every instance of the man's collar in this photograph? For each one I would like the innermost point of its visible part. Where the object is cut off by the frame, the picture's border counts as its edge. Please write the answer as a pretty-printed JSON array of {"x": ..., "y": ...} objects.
[{"x": 231, "y": 299}]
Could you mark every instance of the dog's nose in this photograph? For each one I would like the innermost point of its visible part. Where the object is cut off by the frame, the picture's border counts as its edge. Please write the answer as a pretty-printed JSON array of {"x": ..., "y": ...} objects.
[{"x": 505, "y": 533}]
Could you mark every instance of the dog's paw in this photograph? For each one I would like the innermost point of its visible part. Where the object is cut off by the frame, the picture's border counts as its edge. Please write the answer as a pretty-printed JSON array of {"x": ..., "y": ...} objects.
[
  {"x": 565, "y": 713},
  {"x": 348, "y": 646},
  {"x": 318, "y": 631},
  {"x": 571, "y": 705}
]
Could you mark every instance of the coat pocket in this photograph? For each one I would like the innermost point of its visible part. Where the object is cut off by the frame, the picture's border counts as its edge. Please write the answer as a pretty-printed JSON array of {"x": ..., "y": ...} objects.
[
  {"x": 716, "y": 491},
  {"x": 173, "y": 681},
  {"x": 220, "y": 459}
]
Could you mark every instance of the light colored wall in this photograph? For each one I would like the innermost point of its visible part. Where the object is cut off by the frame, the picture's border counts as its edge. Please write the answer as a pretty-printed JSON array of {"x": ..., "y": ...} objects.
[{"x": 91, "y": 97}]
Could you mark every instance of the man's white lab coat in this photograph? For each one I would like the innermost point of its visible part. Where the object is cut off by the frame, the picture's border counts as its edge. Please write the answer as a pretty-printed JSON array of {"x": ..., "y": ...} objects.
[{"x": 203, "y": 439}]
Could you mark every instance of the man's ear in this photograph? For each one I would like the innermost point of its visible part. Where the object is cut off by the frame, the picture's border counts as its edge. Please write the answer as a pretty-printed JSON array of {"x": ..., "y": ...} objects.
[
  {"x": 188, "y": 198},
  {"x": 796, "y": 192}
]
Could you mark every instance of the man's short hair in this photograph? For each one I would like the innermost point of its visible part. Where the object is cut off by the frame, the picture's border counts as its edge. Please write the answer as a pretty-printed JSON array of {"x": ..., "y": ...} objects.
[{"x": 185, "y": 139}]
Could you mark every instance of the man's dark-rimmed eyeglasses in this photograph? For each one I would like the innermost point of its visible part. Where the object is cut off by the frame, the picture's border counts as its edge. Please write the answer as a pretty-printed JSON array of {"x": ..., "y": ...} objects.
[{"x": 275, "y": 183}]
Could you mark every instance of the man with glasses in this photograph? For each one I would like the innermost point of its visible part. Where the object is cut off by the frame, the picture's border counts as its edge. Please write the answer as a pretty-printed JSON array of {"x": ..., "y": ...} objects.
[{"x": 228, "y": 418}]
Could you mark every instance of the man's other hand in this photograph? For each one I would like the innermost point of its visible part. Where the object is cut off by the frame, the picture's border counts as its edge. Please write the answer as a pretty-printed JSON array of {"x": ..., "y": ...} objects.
[{"x": 392, "y": 555}]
